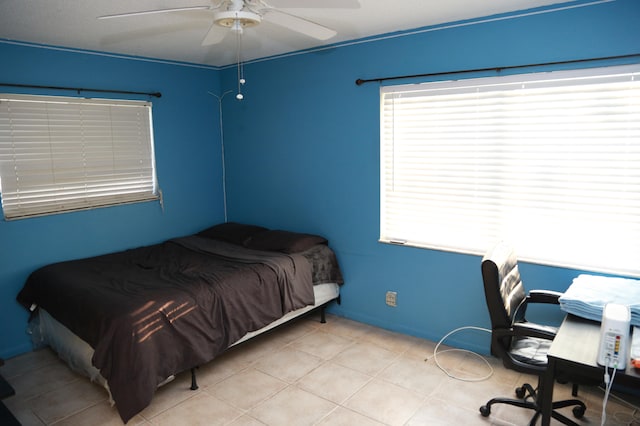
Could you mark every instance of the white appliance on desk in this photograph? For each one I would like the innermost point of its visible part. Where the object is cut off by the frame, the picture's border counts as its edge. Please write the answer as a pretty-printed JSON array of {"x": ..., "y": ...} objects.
[{"x": 614, "y": 336}]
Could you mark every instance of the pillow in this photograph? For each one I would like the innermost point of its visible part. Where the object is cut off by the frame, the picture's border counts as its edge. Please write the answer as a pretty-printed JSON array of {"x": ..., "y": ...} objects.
[
  {"x": 231, "y": 232},
  {"x": 284, "y": 241}
]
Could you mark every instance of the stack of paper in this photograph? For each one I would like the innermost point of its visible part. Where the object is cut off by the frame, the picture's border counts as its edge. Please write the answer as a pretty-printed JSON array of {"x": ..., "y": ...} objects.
[{"x": 588, "y": 294}]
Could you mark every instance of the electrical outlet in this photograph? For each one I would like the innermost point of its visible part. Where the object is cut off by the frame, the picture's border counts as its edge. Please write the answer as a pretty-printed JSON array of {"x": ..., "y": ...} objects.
[{"x": 392, "y": 298}]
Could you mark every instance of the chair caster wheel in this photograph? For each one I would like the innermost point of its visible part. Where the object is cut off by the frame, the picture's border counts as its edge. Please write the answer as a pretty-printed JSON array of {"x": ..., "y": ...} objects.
[
  {"x": 578, "y": 411},
  {"x": 520, "y": 392},
  {"x": 485, "y": 410}
]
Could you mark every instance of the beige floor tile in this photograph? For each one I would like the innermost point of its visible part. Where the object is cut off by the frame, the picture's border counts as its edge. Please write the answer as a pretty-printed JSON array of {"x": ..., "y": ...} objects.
[
  {"x": 235, "y": 360},
  {"x": 247, "y": 353},
  {"x": 413, "y": 375},
  {"x": 621, "y": 418},
  {"x": 21, "y": 409},
  {"x": 170, "y": 395},
  {"x": 470, "y": 395},
  {"x": 246, "y": 420},
  {"x": 344, "y": 417},
  {"x": 366, "y": 358},
  {"x": 439, "y": 412},
  {"x": 28, "y": 362},
  {"x": 504, "y": 376},
  {"x": 419, "y": 349},
  {"x": 102, "y": 414},
  {"x": 199, "y": 410},
  {"x": 288, "y": 364},
  {"x": 476, "y": 367},
  {"x": 247, "y": 388},
  {"x": 344, "y": 327},
  {"x": 298, "y": 328},
  {"x": 385, "y": 402},
  {"x": 321, "y": 344},
  {"x": 44, "y": 379},
  {"x": 67, "y": 400},
  {"x": 279, "y": 409},
  {"x": 391, "y": 341},
  {"x": 334, "y": 382},
  {"x": 313, "y": 318},
  {"x": 219, "y": 369},
  {"x": 447, "y": 357}
]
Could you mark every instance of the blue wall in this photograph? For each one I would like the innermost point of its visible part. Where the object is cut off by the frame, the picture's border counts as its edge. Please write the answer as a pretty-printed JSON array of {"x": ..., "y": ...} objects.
[
  {"x": 188, "y": 163},
  {"x": 303, "y": 154}
]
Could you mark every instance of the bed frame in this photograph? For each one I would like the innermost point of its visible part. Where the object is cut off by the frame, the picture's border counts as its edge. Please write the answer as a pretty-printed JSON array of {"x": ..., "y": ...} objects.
[{"x": 47, "y": 331}]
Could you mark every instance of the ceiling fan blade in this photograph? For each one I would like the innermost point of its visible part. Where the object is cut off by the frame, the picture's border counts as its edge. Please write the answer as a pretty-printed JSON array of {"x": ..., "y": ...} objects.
[
  {"x": 215, "y": 35},
  {"x": 151, "y": 12},
  {"x": 316, "y": 4},
  {"x": 300, "y": 25}
]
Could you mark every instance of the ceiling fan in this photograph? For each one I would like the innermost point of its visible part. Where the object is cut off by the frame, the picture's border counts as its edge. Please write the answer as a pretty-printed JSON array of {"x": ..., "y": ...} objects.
[{"x": 235, "y": 15}]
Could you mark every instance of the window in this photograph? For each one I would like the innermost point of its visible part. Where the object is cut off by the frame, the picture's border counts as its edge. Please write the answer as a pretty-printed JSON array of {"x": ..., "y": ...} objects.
[
  {"x": 547, "y": 161},
  {"x": 61, "y": 154}
]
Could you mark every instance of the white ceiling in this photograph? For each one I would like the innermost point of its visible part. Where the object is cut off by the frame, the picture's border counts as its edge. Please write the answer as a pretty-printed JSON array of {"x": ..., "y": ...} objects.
[{"x": 177, "y": 36}]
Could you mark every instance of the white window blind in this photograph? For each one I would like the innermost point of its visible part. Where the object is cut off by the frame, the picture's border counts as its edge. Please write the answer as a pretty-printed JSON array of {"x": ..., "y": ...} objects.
[
  {"x": 547, "y": 161},
  {"x": 61, "y": 154}
]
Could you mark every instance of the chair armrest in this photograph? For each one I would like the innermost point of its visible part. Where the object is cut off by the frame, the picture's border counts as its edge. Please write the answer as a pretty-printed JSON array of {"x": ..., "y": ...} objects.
[
  {"x": 526, "y": 329},
  {"x": 544, "y": 296},
  {"x": 534, "y": 330},
  {"x": 536, "y": 296}
]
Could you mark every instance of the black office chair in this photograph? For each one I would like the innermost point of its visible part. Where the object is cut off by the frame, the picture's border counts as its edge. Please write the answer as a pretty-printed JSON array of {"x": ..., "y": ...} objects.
[{"x": 521, "y": 345}]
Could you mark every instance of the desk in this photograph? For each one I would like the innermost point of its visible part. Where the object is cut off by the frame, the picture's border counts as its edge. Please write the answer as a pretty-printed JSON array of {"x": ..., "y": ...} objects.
[{"x": 574, "y": 351}]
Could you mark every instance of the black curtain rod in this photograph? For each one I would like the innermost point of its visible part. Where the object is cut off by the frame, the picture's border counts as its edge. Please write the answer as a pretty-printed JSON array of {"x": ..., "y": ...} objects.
[
  {"x": 75, "y": 89},
  {"x": 361, "y": 81}
]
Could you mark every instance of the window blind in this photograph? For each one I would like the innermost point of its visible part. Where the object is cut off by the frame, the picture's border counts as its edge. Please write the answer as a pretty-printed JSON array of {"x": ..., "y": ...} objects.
[
  {"x": 61, "y": 154},
  {"x": 547, "y": 161}
]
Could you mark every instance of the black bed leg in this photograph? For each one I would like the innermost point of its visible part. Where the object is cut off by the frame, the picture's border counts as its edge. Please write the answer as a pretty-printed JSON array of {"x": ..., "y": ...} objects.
[
  {"x": 322, "y": 317},
  {"x": 194, "y": 384}
]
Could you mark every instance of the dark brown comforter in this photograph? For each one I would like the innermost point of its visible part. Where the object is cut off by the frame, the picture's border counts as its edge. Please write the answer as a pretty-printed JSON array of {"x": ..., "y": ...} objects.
[{"x": 155, "y": 311}]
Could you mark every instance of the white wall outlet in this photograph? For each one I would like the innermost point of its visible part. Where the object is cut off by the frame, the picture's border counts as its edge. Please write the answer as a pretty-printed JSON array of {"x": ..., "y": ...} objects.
[{"x": 392, "y": 298}]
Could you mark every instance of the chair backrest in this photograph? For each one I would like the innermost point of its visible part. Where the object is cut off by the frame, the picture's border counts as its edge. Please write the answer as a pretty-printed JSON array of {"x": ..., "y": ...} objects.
[{"x": 503, "y": 290}]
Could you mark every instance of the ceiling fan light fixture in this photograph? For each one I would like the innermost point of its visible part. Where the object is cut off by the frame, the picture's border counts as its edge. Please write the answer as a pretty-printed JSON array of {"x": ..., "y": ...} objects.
[{"x": 237, "y": 20}]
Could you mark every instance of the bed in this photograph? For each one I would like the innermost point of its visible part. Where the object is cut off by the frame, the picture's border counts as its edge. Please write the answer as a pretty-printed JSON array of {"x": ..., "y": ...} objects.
[{"x": 131, "y": 320}]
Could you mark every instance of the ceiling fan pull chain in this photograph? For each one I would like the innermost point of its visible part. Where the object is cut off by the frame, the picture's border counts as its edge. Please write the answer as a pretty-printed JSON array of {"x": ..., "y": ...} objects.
[{"x": 239, "y": 96}]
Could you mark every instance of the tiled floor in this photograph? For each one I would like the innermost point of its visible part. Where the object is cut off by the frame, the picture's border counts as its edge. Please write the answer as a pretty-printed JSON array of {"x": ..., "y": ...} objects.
[{"x": 305, "y": 373}]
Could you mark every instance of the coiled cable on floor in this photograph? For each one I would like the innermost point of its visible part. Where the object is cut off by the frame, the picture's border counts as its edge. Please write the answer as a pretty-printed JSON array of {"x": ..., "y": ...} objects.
[{"x": 447, "y": 372}]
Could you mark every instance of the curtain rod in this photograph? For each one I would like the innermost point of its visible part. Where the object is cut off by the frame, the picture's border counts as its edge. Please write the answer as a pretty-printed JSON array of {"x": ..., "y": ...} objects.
[
  {"x": 361, "y": 81},
  {"x": 75, "y": 89}
]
